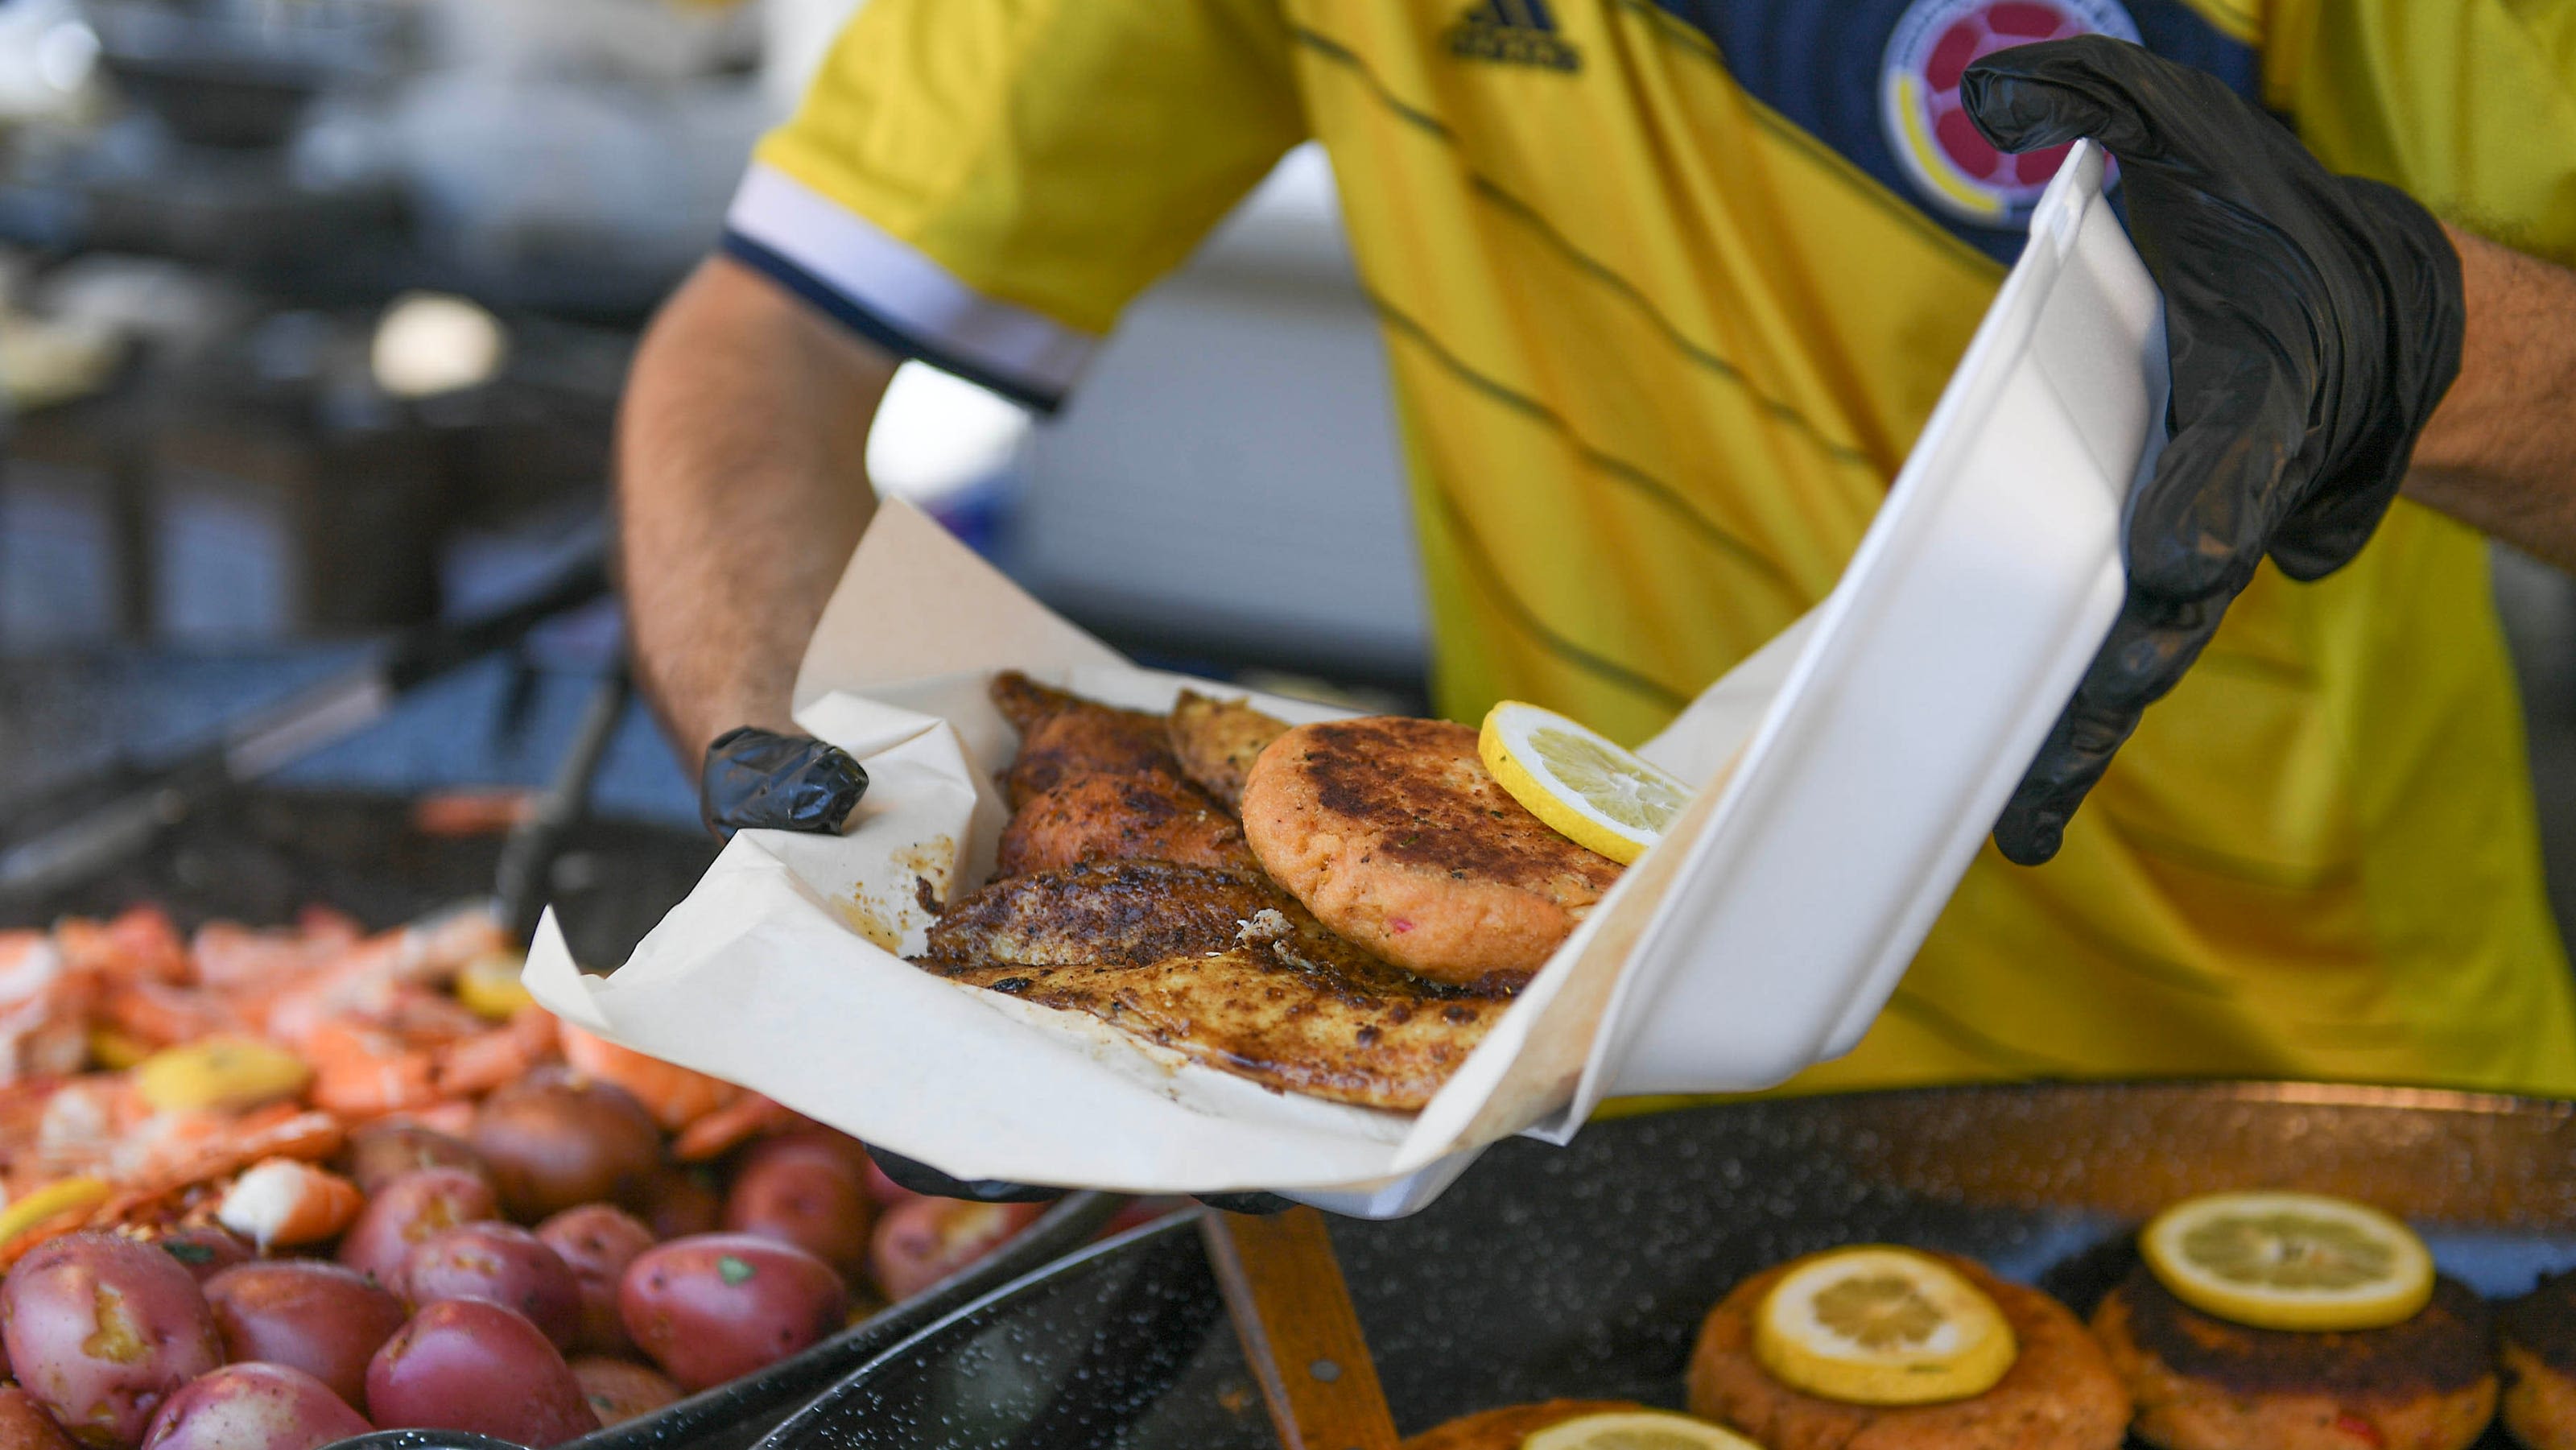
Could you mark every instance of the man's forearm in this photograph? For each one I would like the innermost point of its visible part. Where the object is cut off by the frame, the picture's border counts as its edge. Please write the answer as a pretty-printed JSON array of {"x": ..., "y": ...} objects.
[
  {"x": 741, "y": 492},
  {"x": 2500, "y": 453}
]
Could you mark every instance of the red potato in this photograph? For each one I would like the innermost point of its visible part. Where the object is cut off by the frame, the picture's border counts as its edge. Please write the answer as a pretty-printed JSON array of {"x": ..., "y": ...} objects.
[
  {"x": 922, "y": 1242},
  {"x": 680, "y": 1202},
  {"x": 597, "y": 1241},
  {"x": 620, "y": 1389},
  {"x": 320, "y": 1318},
  {"x": 887, "y": 1192},
  {"x": 102, "y": 1329},
  {"x": 379, "y": 1153},
  {"x": 503, "y": 1263},
  {"x": 470, "y": 1364},
  {"x": 408, "y": 1209},
  {"x": 253, "y": 1407},
  {"x": 24, "y": 1425},
  {"x": 556, "y": 1142},
  {"x": 714, "y": 1306},
  {"x": 205, "y": 1250},
  {"x": 808, "y": 1190}
]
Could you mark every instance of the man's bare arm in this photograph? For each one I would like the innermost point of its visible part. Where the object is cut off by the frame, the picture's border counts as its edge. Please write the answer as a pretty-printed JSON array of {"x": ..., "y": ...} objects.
[
  {"x": 741, "y": 492},
  {"x": 2500, "y": 452}
]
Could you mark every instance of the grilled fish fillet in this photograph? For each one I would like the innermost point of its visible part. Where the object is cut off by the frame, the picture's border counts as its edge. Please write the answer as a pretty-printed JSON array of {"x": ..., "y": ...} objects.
[
  {"x": 1225, "y": 969},
  {"x": 1065, "y": 737},
  {"x": 1217, "y": 741},
  {"x": 1120, "y": 818}
]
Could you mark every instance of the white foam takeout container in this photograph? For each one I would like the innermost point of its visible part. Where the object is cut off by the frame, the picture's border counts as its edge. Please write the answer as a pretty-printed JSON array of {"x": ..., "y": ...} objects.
[{"x": 1851, "y": 769}]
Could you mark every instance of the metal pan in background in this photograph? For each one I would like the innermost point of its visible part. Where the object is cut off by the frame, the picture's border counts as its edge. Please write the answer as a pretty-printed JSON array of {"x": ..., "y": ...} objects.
[
  {"x": 266, "y": 853},
  {"x": 1585, "y": 1271}
]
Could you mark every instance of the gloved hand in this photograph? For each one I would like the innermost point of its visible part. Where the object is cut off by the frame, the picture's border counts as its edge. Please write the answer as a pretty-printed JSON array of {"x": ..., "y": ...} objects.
[
  {"x": 2313, "y": 323},
  {"x": 756, "y": 779}
]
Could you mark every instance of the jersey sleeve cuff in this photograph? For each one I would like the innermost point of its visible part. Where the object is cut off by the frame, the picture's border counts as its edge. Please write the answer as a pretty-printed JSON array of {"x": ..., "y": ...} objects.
[{"x": 893, "y": 295}]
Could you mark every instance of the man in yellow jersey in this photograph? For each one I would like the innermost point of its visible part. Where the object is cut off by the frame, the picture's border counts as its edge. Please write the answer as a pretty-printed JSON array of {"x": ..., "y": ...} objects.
[{"x": 1668, "y": 288}]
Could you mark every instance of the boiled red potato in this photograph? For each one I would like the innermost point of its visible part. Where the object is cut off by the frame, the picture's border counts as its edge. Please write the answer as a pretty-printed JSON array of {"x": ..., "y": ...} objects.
[
  {"x": 102, "y": 1329},
  {"x": 408, "y": 1209},
  {"x": 681, "y": 1201},
  {"x": 597, "y": 1241},
  {"x": 621, "y": 1390},
  {"x": 917, "y": 1244},
  {"x": 24, "y": 1425},
  {"x": 205, "y": 1250},
  {"x": 809, "y": 1189},
  {"x": 380, "y": 1152},
  {"x": 887, "y": 1192},
  {"x": 714, "y": 1306},
  {"x": 558, "y": 1141},
  {"x": 253, "y": 1407},
  {"x": 469, "y": 1364},
  {"x": 503, "y": 1263},
  {"x": 323, "y": 1319}
]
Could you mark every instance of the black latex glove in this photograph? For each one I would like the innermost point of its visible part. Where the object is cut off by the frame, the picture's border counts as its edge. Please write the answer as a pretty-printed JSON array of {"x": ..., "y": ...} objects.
[
  {"x": 2313, "y": 323},
  {"x": 758, "y": 779}
]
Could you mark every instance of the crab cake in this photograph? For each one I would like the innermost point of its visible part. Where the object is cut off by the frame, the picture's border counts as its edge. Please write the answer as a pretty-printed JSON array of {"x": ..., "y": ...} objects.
[
  {"x": 2536, "y": 1350},
  {"x": 2060, "y": 1393},
  {"x": 2203, "y": 1383},
  {"x": 1506, "y": 1428},
  {"x": 1394, "y": 834}
]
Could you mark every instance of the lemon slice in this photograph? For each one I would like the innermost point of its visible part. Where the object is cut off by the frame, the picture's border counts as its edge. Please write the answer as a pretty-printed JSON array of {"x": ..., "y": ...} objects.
[
  {"x": 1878, "y": 1325},
  {"x": 1589, "y": 790},
  {"x": 2279, "y": 1260},
  {"x": 1636, "y": 1430}
]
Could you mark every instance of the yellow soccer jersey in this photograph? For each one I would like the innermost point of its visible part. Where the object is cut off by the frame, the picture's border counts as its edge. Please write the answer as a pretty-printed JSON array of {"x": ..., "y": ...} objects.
[{"x": 1668, "y": 288}]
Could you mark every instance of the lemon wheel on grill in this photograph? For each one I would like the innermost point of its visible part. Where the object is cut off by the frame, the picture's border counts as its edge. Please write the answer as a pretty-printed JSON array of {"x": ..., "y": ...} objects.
[
  {"x": 2283, "y": 1260},
  {"x": 1881, "y": 1325},
  {"x": 1636, "y": 1430}
]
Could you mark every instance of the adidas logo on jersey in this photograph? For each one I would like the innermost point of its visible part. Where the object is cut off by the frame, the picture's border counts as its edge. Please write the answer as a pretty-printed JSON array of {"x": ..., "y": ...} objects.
[{"x": 1515, "y": 32}]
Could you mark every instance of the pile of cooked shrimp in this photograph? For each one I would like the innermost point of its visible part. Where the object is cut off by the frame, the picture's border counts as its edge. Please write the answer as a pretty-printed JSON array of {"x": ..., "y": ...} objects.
[{"x": 271, "y": 1187}]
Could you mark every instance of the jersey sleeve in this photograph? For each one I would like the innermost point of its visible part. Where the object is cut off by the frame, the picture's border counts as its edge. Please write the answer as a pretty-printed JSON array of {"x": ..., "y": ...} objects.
[
  {"x": 984, "y": 184},
  {"x": 2468, "y": 105}
]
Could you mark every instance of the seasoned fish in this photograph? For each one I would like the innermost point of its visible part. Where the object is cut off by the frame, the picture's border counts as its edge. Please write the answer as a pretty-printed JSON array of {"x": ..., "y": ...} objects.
[
  {"x": 1123, "y": 818},
  {"x": 1065, "y": 737},
  {"x": 1227, "y": 970},
  {"x": 1217, "y": 741}
]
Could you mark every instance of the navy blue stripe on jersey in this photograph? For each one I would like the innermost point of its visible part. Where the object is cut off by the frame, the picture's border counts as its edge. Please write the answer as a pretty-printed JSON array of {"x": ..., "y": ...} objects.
[
  {"x": 1816, "y": 62},
  {"x": 848, "y": 311}
]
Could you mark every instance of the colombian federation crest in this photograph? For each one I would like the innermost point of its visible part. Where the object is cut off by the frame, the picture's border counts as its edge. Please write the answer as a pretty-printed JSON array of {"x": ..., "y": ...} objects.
[{"x": 1954, "y": 170}]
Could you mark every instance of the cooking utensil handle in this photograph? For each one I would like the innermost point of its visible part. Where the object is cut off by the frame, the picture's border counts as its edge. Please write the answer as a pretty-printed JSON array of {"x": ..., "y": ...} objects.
[
  {"x": 527, "y": 858},
  {"x": 1292, "y": 1311}
]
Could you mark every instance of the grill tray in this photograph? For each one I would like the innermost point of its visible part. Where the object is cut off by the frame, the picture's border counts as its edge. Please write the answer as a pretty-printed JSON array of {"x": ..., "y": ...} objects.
[{"x": 1584, "y": 1271}]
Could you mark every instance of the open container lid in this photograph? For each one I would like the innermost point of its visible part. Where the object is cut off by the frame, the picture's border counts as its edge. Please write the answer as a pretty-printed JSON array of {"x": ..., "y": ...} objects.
[{"x": 1852, "y": 768}]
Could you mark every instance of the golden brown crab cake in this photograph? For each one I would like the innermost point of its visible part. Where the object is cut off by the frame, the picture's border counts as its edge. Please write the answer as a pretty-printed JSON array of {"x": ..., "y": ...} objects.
[
  {"x": 2060, "y": 1393},
  {"x": 2203, "y": 1383},
  {"x": 2536, "y": 1354},
  {"x": 1507, "y": 1427},
  {"x": 1393, "y": 833}
]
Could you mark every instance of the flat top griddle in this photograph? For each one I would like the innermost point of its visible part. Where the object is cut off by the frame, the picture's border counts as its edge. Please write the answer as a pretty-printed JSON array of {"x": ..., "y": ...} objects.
[{"x": 1585, "y": 1271}]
